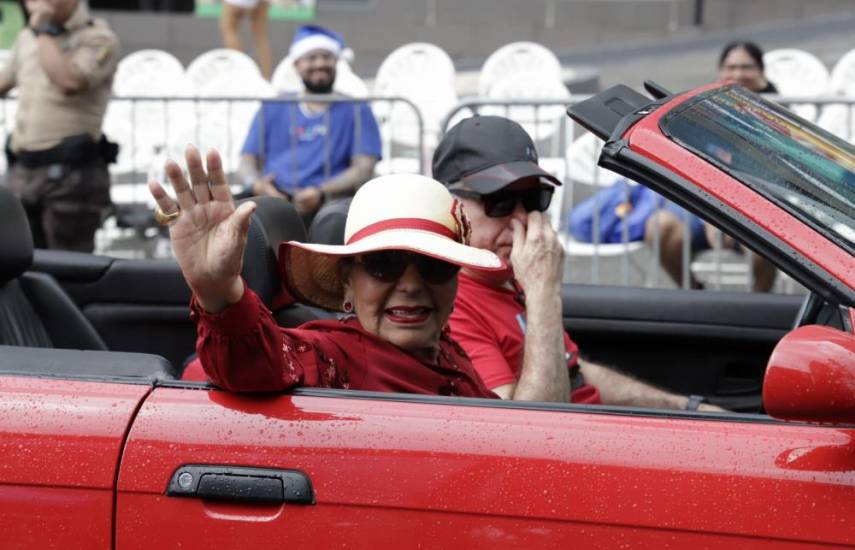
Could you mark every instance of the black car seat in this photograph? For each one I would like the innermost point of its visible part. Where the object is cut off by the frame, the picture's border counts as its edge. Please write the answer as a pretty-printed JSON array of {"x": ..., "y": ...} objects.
[
  {"x": 328, "y": 225},
  {"x": 274, "y": 221},
  {"x": 34, "y": 310}
]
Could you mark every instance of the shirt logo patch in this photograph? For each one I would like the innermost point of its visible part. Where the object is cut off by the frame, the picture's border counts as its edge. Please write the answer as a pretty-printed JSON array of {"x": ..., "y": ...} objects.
[{"x": 310, "y": 133}]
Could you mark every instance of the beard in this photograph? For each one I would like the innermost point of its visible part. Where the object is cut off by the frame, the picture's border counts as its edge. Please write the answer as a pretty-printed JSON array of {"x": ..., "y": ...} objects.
[{"x": 325, "y": 87}]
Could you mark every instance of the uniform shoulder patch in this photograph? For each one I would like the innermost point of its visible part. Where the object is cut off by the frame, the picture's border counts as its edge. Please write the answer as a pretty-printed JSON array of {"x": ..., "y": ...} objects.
[{"x": 102, "y": 54}]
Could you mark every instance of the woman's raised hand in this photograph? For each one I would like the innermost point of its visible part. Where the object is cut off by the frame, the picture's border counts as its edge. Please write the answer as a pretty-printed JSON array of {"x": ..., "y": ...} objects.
[{"x": 209, "y": 235}]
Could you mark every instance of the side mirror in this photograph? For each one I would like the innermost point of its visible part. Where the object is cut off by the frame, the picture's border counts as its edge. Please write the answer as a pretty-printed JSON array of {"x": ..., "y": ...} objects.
[{"x": 811, "y": 377}]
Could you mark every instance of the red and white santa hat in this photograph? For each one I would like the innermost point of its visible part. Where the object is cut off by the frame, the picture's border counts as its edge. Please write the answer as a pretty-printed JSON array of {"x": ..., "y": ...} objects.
[{"x": 396, "y": 212}]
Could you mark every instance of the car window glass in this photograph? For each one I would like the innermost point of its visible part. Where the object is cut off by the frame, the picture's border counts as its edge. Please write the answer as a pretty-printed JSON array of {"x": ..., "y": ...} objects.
[{"x": 804, "y": 169}]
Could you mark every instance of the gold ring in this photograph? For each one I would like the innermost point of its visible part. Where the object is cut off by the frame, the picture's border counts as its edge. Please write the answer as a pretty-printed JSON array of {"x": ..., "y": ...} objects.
[{"x": 162, "y": 218}]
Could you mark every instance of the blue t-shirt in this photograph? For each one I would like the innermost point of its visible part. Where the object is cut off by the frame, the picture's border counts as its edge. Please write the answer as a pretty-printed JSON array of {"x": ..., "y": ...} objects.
[{"x": 295, "y": 145}]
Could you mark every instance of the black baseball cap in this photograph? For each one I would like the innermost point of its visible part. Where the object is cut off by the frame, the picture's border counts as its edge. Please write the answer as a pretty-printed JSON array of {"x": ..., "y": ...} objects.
[{"x": 487, "y": 153}]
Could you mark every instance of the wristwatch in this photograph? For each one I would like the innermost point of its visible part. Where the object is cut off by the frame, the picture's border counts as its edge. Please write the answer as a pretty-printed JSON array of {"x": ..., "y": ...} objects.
[
  {"x": 694, "y": 402},
  {"x": 48, "y": 28}
]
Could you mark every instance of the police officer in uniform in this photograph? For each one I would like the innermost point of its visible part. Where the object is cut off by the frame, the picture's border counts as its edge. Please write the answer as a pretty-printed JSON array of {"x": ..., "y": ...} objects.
[{"x": 62, "y": 65}]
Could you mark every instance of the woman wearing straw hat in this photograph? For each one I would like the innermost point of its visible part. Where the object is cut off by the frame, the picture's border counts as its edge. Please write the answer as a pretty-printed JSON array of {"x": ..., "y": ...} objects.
[{"x": 405, "y": 240}]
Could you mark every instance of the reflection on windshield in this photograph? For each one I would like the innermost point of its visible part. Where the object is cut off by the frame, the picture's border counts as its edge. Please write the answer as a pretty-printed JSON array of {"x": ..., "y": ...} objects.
[{"x": 804, "y": 169}]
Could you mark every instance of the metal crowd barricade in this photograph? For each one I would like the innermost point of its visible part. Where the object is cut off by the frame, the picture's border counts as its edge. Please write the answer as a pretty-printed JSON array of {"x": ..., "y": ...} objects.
[
  {"x": 151, "y": 130},
  {"x": 570, "y": 153}
]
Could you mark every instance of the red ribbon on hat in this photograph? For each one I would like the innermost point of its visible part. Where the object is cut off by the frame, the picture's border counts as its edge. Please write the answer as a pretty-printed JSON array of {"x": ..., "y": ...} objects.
[{"x": 417, "y": 224}]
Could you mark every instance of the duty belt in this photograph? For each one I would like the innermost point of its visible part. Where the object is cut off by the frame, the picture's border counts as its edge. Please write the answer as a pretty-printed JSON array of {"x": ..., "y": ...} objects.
[{"x": 79, "y": 150}]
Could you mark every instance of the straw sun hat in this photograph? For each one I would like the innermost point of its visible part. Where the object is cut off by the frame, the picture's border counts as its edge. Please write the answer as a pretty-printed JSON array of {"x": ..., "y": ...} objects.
[{"x": 397, "y": 212}]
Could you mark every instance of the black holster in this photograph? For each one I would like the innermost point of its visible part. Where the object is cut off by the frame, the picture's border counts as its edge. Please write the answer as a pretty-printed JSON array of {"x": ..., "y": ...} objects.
[{"x": 109, "y": 150}]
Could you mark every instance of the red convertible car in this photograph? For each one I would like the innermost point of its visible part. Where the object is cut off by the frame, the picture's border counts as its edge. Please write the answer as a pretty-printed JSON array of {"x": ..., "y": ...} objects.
[{"x": 103, "y": 446}]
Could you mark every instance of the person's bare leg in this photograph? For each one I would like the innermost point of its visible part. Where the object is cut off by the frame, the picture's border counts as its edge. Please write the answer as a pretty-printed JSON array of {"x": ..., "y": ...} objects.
[
  {"x": 261, "y": 39},
  {"x": 764, "y": 273},
  {"x": 671, "y": 234},
  {"x": 230, "y": 26}
]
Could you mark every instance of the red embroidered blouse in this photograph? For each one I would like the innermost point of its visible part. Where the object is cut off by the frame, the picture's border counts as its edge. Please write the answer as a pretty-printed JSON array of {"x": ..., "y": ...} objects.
[{"x": 243, "y": 349}]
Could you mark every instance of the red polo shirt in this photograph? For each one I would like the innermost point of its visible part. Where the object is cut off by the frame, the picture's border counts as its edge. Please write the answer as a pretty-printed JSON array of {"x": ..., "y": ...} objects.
[
  {"x": 489, "y": 322},
  {"x": 243, "y": 349}
]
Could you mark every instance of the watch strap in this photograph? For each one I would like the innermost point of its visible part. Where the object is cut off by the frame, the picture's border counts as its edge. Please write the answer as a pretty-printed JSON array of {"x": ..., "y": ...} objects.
[
  {"x": 48, "y": 28},
  {"x": 694, "y": 402}
]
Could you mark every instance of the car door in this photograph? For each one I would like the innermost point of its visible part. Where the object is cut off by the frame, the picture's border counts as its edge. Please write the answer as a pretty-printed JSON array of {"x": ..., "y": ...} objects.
[
  {"x": 715, "y": 344},
  {"x": 60, "y": 443},
  {"x": 389, "y": 470}
]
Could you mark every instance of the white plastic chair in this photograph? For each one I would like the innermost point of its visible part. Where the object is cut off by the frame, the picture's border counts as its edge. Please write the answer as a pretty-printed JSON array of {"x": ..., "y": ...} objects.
[
  {"x": 415, "y": 59},
  {"x": 286, "y": 79},
  {"x": 143, "y": 128},
  {"x": 7, "y": 110},
  {"x": 611, "y": 263},
  {"x": 540, "y": 122},
  {"x": 839, "y": 119},
  {"x": 397, "y": 165},
  {"x": 517, "y": 59},
  {"x": 348, "y": 82},
  {"x": 223, "y": 125},
  {"x": 583, "y": 178},
  {"x": 797, "y": 73},
  {"x": 212, "y": 65},
  {"x": 842, "y": 80},
  {"x": 397, "y": 119},
  {"x": 582, "y": 156},
  {"x": 422, "y": 62},
  {"x": 148, "y": 72}
]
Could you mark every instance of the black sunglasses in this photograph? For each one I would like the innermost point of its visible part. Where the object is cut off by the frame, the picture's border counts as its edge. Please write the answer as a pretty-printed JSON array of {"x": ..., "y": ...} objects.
[
  {"x": 502, "y": 203},
  {"x": 389, "y": 265}
]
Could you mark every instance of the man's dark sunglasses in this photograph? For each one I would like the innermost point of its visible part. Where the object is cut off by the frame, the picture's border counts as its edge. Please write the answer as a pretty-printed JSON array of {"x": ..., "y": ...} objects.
[
  {"x": 389, "y": 265},
  {"x": 502, "y": 203}
]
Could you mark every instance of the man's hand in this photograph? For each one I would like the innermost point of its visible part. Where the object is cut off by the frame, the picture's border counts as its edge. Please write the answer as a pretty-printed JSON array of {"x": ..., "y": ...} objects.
[
  {"x": 309, "y": 200},
  {"x": 266, "y": 188},
  {"x": 209, "y": 236},
  {"x": 41, "y": 12},
  {"x": 537, "y": 255}
]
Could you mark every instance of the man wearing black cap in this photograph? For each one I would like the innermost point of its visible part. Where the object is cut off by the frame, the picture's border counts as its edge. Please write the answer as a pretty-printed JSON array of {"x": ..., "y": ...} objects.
[{"x": 513, "y": 318}]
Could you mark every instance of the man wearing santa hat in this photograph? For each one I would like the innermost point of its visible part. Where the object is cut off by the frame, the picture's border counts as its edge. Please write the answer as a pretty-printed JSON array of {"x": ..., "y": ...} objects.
[{"x": 311, "y": 151}]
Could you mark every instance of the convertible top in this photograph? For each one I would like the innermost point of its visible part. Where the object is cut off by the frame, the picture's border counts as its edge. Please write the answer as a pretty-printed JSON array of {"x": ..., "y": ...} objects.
[{"x": 67, "y": 363}]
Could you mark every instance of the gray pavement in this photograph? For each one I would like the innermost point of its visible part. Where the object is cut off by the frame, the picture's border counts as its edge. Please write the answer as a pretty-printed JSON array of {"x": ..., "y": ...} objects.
[{"x": 690, "y": 57}]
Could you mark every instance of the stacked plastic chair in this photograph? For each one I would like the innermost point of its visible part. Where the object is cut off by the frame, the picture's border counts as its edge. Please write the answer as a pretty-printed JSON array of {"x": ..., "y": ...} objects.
[
  {"x": 7, "y": 110},
  {"x": 797, "y": 73},
  {"x": 226, "y": 84},
  {"x": 842, "y": 81},
  {"x": 839, "y": 118},
  {"x": 525, "y": 71},
  {"x": 424, "y": 75},
  {"x": 143, "y": 128}
]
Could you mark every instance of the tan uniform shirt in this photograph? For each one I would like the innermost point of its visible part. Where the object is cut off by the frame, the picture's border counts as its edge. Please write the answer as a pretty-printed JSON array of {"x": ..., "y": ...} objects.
[{"x": 46, "y": 114}]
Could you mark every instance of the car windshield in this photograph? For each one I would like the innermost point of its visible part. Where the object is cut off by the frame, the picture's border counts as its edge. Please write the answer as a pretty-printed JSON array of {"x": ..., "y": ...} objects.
[{"x": 802, "y": 168}]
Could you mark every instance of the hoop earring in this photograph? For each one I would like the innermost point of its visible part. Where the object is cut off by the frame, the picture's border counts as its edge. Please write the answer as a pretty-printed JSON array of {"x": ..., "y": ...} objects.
[{"x": 347, "y": 306}]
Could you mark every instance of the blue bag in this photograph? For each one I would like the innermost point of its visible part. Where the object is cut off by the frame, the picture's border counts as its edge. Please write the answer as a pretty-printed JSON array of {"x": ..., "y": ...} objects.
[{"x": 619, "y": 204}]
